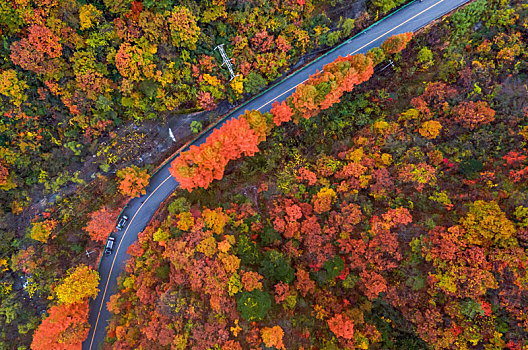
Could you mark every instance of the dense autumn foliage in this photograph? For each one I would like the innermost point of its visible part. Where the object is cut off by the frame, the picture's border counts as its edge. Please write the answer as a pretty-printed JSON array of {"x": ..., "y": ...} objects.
[
  {"x": 101, "y": 224},
  {"x": 394, "y": 217},
  {"x": 66, "y": 325},
  {"x": 64, "y": 328},
  {"x": 81, "y": 283},
  {"x": 133, "y": 181}
]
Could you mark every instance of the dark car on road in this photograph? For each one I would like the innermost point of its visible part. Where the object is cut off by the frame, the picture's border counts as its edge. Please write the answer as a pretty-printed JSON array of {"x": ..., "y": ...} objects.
[
  {"x": 109, "y": 245},
  {"x": 121, "y": 223}
]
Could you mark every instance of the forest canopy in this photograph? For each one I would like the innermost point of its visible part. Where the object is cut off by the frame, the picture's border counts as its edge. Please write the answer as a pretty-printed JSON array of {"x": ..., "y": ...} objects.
[{"x": 381, "y": 206}]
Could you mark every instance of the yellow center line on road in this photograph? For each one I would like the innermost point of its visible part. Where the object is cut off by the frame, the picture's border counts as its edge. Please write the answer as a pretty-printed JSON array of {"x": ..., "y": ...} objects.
[
  {"x": 137, "y": 211},
  {"x": 353, "y": 52},
  {"x": 115, "y": 256}
]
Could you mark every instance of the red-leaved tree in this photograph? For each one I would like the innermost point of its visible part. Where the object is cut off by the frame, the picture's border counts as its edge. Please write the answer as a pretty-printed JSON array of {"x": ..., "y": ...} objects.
[
  {"x": 35, "y": 52},
  {"x": 134, "y": 180},
  {"x": 341, "y": 326},
  {"x": 65, "y": 328},
  {"x": 101, "y": 224},
  {"x": 199, "y": 166},
  {"x": 281, "y": 112}
]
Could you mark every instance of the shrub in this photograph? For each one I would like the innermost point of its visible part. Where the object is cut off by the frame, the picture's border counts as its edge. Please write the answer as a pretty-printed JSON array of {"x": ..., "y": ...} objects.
[
  {"x": 334, "y": 267},
  {"x": 470, "y": 167},
  {"x": 269, "y": 235},
  {"x": 377, "y": 55},
  {"x": 179, "y": 205},
  {"x": 425, "y": 57}
]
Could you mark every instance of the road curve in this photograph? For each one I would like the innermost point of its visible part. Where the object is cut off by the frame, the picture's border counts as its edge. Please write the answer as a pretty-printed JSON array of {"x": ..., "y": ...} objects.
[{"x": 162, "y": 184}]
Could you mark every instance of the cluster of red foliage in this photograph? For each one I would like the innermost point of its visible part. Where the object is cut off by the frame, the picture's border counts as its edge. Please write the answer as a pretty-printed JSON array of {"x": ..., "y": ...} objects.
[
  {"x": 65, "y": 328},
  {"x": 35, "y": 52},
  {"x": 472, "y": 114},
  {"x": 4, "y": 173},
  {"x": 342, "y": 326},
  {"x": 101, "y": 223},
  {"x": 199, "y": 166}
]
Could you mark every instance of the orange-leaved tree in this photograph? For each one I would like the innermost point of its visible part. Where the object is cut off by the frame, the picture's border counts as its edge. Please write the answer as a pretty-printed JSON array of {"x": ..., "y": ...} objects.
[
  {"x": 134, "y": 180},
  {"x": 199, "y": 166},
  {"x": 272, "y": 337},
  {"x": 80, "y": 284},
  {"x": 305, "y": 100},
  {"x": 430, "y": 129},
  {"x": 101, "y": 223},
  {"x": 65, "y": 328},
  {"x": 281, "y": 112},
  {"x": 35, "y": 52},
  {"x": 396, "y": 43},
  {"x": 251, "y": 280},
  {"x": 341, "y": 326}
]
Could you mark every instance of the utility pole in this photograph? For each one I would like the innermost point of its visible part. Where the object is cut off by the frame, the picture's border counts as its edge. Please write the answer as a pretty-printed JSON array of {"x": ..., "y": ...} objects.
[
  {"x": 390, "y": 64},
  {"x": 227, "y": 61},
  {"x": 88, "y": 253}
]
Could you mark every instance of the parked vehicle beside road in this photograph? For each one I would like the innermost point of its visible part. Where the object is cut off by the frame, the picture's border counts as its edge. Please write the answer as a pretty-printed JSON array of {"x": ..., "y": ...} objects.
[
  {"x": 109, "y": 245},
  {"x": 121, "y": 223}
]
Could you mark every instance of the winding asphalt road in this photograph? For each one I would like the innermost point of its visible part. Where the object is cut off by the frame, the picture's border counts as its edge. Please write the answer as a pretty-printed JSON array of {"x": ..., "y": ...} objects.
[{"x": 162, "y": 184}]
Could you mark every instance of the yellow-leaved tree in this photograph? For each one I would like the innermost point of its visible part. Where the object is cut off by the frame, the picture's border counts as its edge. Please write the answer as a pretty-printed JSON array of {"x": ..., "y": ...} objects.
[
  {"x": 134, "y": 180},
  {"x": 41, "y": 231},
  {"x": 81, "y": 283},
  {"x": 215, "y": 220},
  {"x": 430, "y": 129},
  {"x": 486, "y": 224}
]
